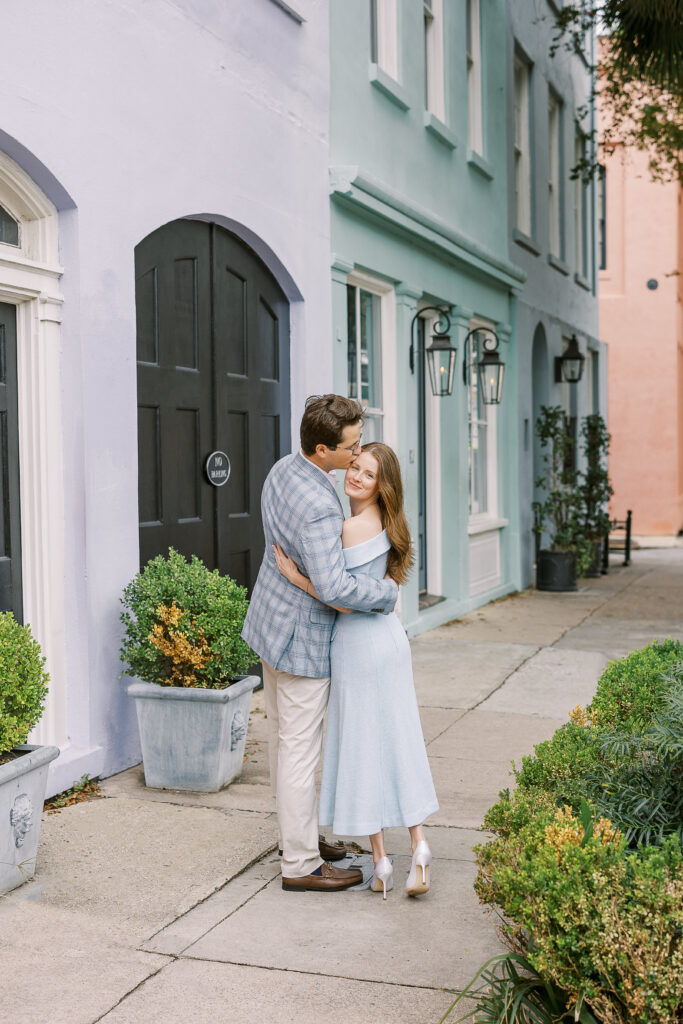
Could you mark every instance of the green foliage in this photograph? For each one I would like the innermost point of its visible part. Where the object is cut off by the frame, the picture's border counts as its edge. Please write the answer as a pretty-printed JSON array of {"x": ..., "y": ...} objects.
[
  {"x": 595, "y": 488},
  {"x": 558, "y": 765},
  {"x": 642, "y": 791},
  {"x": 631, "y": 689},
  {"x": 182, "y": 625},
  {"x": 23, "y": 682},
  {"x": 560, "y": 511},
  {"x": 639, "y": 76},
  {"x": 605, "y": 923},
  {"x": 512, "y": 992}
]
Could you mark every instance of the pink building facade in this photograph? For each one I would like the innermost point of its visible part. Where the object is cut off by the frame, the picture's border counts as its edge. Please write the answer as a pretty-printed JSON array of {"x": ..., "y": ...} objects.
[{"x": 641, "y": 319}]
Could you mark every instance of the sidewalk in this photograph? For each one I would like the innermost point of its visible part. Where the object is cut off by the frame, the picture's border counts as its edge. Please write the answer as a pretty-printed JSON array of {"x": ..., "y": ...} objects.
[{"x": 166, "y": 907}]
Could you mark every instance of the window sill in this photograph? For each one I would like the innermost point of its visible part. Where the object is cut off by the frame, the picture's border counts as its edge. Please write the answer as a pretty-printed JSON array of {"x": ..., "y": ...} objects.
[
  {"x": 558, "y": 264},
  {"x": 583, "y": 282},
  {"x": 487, "y": 524},
  {"x": 389, "y": 87},
  {"x": 439, "y": 130},
  {"x": 477, "y": 161},
  {"x": 526, "y": 242}
]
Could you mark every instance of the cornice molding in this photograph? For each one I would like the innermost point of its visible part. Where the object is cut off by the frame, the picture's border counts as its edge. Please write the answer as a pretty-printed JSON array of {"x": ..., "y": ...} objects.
[{"x": 350, "y": 185}]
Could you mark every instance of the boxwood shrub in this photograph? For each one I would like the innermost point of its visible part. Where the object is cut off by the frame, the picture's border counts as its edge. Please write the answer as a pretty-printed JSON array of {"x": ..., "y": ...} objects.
[
  {"x": 182, "y": 625},
  {"x": 23, "y": 682}
]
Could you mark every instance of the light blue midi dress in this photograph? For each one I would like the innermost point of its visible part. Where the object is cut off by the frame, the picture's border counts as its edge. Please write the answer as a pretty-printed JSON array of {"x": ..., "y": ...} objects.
[{"x": 375, "y": 769}]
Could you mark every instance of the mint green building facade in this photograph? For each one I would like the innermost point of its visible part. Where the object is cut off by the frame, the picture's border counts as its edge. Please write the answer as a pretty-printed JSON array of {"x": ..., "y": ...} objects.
[{"x": 419, "y": 218}]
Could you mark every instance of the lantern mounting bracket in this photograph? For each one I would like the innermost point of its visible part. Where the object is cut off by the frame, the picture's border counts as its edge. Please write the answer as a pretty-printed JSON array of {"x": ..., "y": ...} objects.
[
  {"x": 441, "y": 327},
  {"x": 489, "y": 362}
]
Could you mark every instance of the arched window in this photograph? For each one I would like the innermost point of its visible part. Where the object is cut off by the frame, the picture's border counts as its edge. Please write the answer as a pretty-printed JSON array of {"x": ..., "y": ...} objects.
[{"x": 9, "y": 228}]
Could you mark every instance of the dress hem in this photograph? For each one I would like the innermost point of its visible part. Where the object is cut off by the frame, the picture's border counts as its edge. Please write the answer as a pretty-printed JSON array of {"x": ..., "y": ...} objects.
[{"x": 365, "y": 829}]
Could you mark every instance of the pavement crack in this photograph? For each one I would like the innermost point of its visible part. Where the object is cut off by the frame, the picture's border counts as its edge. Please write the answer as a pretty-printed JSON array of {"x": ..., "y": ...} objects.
[{"x": 170, "y": 960}]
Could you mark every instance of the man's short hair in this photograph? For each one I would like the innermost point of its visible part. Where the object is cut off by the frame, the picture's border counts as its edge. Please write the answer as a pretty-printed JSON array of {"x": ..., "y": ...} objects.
[{"x": 324, "y": 420}]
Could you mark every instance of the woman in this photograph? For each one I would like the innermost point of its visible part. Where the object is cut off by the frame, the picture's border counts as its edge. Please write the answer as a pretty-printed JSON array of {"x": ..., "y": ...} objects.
[{"x": 375, "y": 769}]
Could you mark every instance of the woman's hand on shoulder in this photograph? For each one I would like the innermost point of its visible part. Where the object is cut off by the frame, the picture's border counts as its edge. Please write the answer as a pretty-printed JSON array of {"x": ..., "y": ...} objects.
[{"x": 288, "y": 568}]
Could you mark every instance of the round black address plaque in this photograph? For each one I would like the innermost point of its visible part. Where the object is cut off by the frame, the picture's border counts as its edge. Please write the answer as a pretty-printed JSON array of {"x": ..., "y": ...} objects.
[{"x": 218, "y": 468}]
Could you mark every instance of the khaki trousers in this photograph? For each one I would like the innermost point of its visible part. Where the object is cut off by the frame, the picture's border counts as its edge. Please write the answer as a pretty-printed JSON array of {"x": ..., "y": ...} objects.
[{"x": 295, "y": 706}]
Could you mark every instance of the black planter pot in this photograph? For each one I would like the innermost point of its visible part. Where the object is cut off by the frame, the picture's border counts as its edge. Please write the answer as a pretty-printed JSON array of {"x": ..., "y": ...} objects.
[
  {"x": 556, "y": 571},
  {"x": 594, "y": 570}
]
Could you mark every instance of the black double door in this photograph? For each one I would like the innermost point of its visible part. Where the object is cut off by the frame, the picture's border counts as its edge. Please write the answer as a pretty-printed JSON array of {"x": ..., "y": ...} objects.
[
  {"x": 10, "y": 518},
  {"x": 213, "y": 376}
]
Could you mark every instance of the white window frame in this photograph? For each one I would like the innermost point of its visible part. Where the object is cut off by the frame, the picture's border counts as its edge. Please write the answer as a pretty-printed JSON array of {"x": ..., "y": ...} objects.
[
  {"x": 555, "y": 174},
  {"x": 435, "y": 94},
  {"x": 488, "y": 518},
  {"x": 387, "y": 415},
  {"x": 580, "y": 208},
  {"x": 385, "y": 16},
  {"x": 522, "y": 145},
  {"x": 475, "y": 129}
]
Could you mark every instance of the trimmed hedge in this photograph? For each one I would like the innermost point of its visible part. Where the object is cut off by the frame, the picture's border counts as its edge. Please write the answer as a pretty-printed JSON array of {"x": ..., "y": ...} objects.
[{"x": 23, "y": 682}]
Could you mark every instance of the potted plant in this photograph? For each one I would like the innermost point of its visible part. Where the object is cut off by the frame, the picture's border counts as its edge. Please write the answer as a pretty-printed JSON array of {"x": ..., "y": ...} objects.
[
  {"x": 558, "y": 515},
  {"x": 23, "y": 768},
  {"x": 182, "y": 626},
  {"x": 595, "y": 487}
]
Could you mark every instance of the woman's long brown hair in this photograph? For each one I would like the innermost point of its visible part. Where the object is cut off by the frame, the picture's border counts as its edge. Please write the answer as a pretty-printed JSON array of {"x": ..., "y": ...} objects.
[{"x": 390, "y": 501}]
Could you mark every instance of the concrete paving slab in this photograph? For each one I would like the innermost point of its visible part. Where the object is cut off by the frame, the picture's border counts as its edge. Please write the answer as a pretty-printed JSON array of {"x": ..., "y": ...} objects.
[
  {"x": 463, "y": 811},
  {"x": 493, "y": 736},
  {"x": 239, "y": 796},
  {"x": 553, "y": 682},
  {"x": 440, "y": 939},
  {"x": 190, "y": 927},
  {"x": 437, "y": 720},
  {"x": 461, "y": 777},
  {"x": 529, "y": 618},
  {"x": 193, "y": 992},
  {"x": 134, "y": 865},
  {"x": 644, "y": 602},
  {"x": 460, "y": 675},
  {"x": 61, "y": 967},
  {"x": 616, "y": 638}
]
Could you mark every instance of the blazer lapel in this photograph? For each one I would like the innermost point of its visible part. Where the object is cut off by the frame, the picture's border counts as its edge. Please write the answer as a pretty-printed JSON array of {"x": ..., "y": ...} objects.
[{"x": 316, "y": 475}]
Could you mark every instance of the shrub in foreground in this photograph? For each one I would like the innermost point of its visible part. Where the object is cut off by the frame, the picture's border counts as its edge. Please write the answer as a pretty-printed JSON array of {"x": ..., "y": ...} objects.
[{"x": 23, "y": 682}]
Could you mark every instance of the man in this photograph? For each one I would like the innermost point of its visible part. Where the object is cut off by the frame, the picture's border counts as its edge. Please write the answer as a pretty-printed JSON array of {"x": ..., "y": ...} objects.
[{"x": 291, "y": 631}]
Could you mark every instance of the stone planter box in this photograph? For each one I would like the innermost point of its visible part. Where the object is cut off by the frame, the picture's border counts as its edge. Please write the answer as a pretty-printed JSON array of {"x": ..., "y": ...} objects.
[
  {"x": 191, "y": 738},
  {"x": 22, "y": 793},
  {"x": 556, "y": 571}
]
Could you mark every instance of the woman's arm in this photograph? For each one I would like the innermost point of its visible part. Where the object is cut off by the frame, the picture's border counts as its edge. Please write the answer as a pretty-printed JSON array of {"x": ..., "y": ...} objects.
[{"x": 289, "y": 570}]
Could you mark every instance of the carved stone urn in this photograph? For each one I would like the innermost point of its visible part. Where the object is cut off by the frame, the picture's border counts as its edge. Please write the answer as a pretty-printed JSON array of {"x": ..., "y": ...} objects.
[
  {"x": 193, "y": 738},
  {"x": 22, "y": 792}
]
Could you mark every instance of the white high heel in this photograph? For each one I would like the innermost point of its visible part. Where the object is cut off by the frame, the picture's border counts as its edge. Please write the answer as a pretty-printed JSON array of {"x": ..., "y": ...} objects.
[
  {"x": 418, "y": 879},
  {"x": 383, "y": 878}
]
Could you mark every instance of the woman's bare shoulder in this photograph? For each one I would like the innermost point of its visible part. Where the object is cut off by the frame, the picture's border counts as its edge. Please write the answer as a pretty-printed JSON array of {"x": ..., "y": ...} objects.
[{"x": 357, "y": 529}]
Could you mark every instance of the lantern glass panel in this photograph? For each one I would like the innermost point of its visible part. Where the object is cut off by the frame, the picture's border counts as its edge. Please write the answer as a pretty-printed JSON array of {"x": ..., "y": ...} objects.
[
  {"x": 491, "y": 380},
  {"x": 572, "y": 370},
  {"x": 441, "y": 362}
]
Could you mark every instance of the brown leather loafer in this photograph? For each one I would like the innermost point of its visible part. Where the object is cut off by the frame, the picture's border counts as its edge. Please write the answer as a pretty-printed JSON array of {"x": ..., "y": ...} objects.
[
  {"x": 331, "y": 879},
  {"x": 332, "y": 851},
  {"x": 329, "y": 851}
]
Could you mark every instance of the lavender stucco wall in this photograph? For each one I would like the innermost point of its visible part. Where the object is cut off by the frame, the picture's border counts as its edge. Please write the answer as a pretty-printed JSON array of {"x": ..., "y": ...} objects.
[{"x": 140, "y": 113}]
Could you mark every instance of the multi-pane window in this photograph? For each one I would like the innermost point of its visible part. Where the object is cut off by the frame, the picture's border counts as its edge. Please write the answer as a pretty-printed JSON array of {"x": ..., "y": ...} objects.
[
  {"x": 474, "y": 107},
  {"x": 522, "y": 147},
  {"x": 602, "y": 217},
  {"x": 364, "y": 356},
  {"x": 434, "y": 69},
  {"x": 555, "y": 174},
  {"x": 384, "y": 35},
  {"x": 9, "y": 228},
  {"x": 580, "y": 206},
  {"x": 481, "y": 449}
]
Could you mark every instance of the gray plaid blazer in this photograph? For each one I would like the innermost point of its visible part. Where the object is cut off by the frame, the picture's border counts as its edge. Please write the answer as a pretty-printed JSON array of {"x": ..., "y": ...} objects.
[{"x": 286, "y": 627}]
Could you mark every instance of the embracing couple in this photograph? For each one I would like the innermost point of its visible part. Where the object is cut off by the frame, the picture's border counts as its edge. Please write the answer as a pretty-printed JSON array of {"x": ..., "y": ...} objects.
[{"x": 321, "y": 619}]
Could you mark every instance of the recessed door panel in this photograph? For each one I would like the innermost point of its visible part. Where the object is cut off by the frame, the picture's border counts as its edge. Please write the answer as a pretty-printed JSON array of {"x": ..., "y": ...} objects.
[
  {"x": 213, "y": 375},
  {"x": 10, "y": 516}
]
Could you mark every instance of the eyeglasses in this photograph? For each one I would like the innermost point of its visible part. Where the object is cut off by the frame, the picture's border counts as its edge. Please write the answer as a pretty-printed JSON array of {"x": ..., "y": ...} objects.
[{"x": 353, "y": 448}]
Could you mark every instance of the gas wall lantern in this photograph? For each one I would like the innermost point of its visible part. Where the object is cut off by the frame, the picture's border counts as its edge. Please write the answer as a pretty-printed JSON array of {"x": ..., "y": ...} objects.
[
  {"x": 490, "y": 367},
  {"x": 440, "y": 353},
  {"x": 569, "y": 366}
]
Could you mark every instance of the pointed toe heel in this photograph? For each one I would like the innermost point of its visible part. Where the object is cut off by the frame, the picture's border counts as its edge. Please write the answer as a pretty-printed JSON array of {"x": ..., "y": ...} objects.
[
  {"x": 383, "y": 878},
  {"x": 417, "y": 883}
]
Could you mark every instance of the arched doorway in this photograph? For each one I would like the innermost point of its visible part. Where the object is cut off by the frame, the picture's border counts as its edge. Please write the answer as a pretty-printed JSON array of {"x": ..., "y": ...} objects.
[
  {"x": 213, "y": 376},
  {"x": 540, "y": 383}
]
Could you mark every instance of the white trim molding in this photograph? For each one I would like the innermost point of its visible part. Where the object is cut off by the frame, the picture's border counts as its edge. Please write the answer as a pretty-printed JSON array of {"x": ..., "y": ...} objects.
[{"x": 30, "y": 280}]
